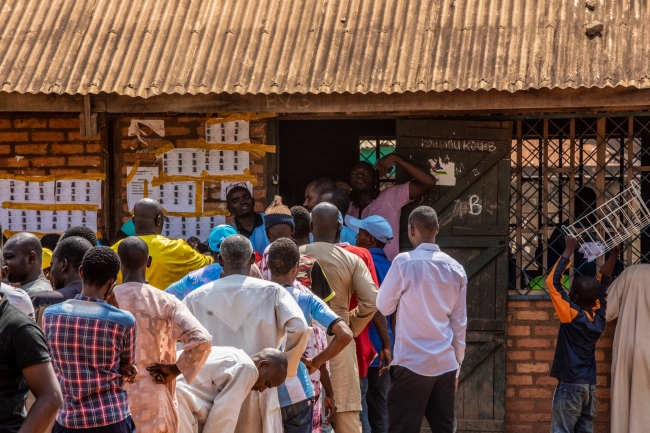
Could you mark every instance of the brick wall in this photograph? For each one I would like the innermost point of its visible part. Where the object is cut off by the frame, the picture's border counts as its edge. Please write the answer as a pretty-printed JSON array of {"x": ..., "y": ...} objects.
[
  {"x": 532, "y": 336},
  {"x": 35, "y": 145},
  {"x": 179, "y": 130}
]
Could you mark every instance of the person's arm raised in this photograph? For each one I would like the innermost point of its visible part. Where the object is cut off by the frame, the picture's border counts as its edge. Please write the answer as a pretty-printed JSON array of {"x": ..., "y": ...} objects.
[{"x": 422, "y": 181}]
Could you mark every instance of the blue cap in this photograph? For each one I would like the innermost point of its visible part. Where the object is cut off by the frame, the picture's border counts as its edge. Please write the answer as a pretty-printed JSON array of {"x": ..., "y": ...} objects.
[
  {"x": 218, "y": 234},
  {"x": 377, "y": 226}
]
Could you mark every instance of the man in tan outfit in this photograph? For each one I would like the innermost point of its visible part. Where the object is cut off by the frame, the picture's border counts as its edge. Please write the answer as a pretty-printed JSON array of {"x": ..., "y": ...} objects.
[{"x": 348, "y": 276}]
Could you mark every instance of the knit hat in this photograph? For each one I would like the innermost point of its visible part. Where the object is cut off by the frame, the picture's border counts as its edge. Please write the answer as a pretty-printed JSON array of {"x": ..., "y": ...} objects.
[{"x": 278, "y": 213}]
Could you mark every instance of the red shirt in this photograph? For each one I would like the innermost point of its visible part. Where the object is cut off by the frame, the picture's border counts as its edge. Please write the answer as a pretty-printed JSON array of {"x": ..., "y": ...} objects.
[{"x": 365, "y": 351}]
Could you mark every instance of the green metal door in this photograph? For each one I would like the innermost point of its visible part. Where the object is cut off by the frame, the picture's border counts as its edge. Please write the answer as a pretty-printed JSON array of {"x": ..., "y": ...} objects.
[{"x": 471, "y": 160}]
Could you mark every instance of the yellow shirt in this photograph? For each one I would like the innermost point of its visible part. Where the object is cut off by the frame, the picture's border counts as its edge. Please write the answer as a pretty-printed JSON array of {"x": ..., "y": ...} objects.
[{"x": 172, "y": 260}]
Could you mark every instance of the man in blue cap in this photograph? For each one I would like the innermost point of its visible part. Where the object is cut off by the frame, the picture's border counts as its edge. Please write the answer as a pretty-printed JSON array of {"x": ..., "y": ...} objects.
[
  {"x": 199, "y": 277},
  {"x": 374, "y": 232}
]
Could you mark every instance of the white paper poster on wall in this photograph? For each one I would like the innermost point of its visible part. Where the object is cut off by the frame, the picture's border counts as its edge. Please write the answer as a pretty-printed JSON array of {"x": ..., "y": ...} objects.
[
  {"x": 183, "y": 162},
  {"x": 185, "y": 227},
  {"x": 236, "y": 132},
  {"x": 20, "y": 191},
  {"x": 228, "y": 185},
  {"x": 79, "y": 192},
  {"x": 43, "y": 221},
  {"x": 135, "y": 188},
  {"x": 444, "y": 172},
  {"x": 179, "y": 197},
  {"x": 226, "y": 162}
]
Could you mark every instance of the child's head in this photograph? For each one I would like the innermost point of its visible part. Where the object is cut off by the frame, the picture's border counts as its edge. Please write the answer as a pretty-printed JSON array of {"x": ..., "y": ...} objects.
[{"x": 585, "y": 291}]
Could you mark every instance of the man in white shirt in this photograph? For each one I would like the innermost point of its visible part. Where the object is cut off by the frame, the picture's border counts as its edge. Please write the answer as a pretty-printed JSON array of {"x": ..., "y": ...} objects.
[
  {"x": 252, "y": 315},
  {"x": 428, "y": 289},
  {"x": 211, "y": 401}
]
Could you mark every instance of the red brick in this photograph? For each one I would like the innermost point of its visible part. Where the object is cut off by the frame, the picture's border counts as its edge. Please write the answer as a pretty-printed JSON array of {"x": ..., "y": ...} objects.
[
  {"x": 76, "y": 136},
  {"x": 71, "y": 149},
  {"x": 603, "y": 367},
  {"x": 545, "y": 330},
  {"x": 176, "y": 130},
  {"x": 93, "y": 148},
  {"x": 517, "y": 405},
  {"x": 48, "y": 136},
  {"x": 600, "y": 355},
  {"x": 51, "y": 161},
  {"x": 30, "y": 149},
  {"x": 519, "y": 428},
  {"x": 125, "y": 131},
  {"x": 14, "y": 162},
  {"x": 14, "y": 136},
  {"x": 519, "y": 355},
  {"x": 256, "y": 169},
  {"x": 65, "y": 123},
  {"x": 189, "y": 119},
  {"x": 30, "y": 123},
  {"x": 532, "y": 342},
  {"x": 518, "y": 304},
  {"x": 603, "y": 393},
  {"x": 143, "y": 157},
  {"x": 259, "y": 207},
  {"x": 32, "y": 172},
  {"x": 129, "y": 144},
  {"x": 537, "y": 367},
  {"x": 546, "y": 381},
  {"x": 5, "y": 149},
  {"x": 601, "y": 380},
  {"x": 532, "y": 315},
  {"x": 535, "y": 393},
  {"x": 200, "y": 130},
  {"x": 77, "y": 161},
  {"x": 510, "y": 392},
  {"x": 519, "y": 380},
  {"x": 544, "y": 355},
  {"x": 5, "y": 123},
  {"x": 518, "y": 330},
  {"x": 63, "y": 170},
  {"x": 535, "y": 417},
  {"x": 543, "y": 304},
  {"x": 545, "y": 406}
]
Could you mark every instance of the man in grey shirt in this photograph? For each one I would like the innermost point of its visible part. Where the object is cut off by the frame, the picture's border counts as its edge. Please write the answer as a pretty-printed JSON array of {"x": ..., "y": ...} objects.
[{"x": 23, "y": 256}]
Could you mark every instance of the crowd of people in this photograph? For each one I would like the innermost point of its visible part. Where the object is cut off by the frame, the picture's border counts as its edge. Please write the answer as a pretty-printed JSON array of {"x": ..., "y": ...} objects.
[{"x": 297, "y": 320}]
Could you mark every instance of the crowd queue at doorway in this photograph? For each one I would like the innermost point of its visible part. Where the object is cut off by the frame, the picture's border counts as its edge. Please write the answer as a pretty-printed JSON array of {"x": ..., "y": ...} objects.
[{"x": 254, "y": 331}]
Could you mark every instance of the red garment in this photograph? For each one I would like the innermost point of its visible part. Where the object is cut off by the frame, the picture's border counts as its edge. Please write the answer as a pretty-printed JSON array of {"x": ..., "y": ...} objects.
[{"x": 365, "y": 351}]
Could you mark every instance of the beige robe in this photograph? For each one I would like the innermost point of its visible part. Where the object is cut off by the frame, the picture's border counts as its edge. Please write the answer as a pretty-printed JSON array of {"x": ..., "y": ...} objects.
[
  {"x": 348, "y": 275},
  {"x": 252, "y": 315},
  {"x": 628, "y": 300},
  {"x": 161, "y": 320}
]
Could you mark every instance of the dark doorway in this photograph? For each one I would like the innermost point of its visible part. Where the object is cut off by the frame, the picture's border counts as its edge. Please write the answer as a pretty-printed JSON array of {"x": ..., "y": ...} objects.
[{"x": 310, "y": 149}]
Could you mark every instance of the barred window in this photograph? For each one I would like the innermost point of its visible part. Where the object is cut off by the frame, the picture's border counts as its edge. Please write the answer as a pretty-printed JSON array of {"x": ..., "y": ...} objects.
[
  {"x": 372, "y": 149},
  {"x": 561, "y": 169}
]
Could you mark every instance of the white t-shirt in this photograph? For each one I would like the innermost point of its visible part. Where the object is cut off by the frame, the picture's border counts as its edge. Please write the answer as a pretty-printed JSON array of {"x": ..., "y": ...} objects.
[{"x": 18, "y": 298}]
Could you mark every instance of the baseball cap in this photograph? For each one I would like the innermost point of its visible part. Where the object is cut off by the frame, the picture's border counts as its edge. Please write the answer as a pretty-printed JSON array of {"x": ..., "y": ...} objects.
[
  {"x": 218, "y": 234},
  {"x": 377, "y": 226}
]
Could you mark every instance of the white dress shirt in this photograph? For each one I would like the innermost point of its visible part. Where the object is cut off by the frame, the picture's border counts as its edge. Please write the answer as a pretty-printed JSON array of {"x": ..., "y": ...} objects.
[{"x": 428, "y": 289}]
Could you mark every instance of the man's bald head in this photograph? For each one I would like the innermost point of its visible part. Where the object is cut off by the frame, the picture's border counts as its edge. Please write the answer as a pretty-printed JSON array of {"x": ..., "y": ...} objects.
[
  {"x": 325, "y": 223},
  {"x": 134, "y": 253},
  {"x": 23, "y": 257},
  {"x": 25, "y": 242},
  {"x": 148, "y": 217},
  {"x": 272, "y": 367}
]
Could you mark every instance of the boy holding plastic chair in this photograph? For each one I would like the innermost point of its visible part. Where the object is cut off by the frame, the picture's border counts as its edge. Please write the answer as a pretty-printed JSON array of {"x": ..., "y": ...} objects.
[{"x": 582, "y": 315}]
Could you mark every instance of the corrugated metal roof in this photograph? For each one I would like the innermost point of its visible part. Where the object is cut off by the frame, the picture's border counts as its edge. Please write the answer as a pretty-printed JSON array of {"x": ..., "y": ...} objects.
[{"x": 147, "y": 47}]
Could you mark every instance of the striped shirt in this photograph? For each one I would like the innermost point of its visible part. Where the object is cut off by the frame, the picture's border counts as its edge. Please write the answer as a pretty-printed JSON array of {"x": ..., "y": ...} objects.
[{"x": 88, "y": 340}]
